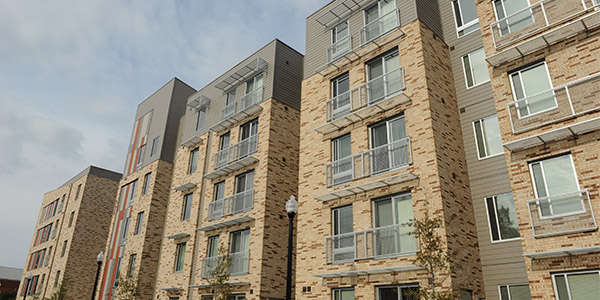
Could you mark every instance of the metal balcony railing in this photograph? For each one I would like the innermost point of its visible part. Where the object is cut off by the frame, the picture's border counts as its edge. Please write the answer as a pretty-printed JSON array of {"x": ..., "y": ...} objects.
[
  {"x": 572, "y": 99},
  {"x": 562, "y": 214},
  {"x": 338, "y": 49},
  {"x": 367, "y": 94},
  {"x": 228, "y": 110},
  {"x": 239, "y": 264},
  {"x": 377, "y": 160},
  {"x": 387, "y": 241},
  {"x": 236, "y": 152},
  {"x": 535, "y": 18},
  {"x": 253, "y": 97},
  {"x": 379, "y": 27},
  {"x": 232, "y": 205}
]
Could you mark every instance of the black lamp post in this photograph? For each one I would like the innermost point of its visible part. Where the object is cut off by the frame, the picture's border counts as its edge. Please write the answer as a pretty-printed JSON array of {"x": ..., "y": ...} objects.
[
  {"x": 99, "y": 259},
  {"x": 29, "y": 276},
  {"x": 291, "y": 206}
]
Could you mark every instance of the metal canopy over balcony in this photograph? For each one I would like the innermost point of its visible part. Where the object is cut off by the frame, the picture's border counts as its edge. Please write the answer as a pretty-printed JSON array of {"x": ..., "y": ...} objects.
[
  {"x": 192, "y": 141},
  {"x": 235, "y": 118},
  {"x": 552, "y": 135},
  {"x": 226, "y": 223},
  {"x": 234, "y": 283},
  {"x": 234, "y": 157},
  {"x": 369, "y": 271},
  {"x": 365, "y": 187},
  {"x": 200, "y": 102},
  {"x": 184, "y": 187},
  {"x": 583, "y": 23},
  {"x": 573, "y": 251},
  {"x": 562, "y": 214},
  {"x": 232, "y": 167},
  {"x": 379, "y": 94},
  {"x": 246, "y": 72},
  {"x": 178, "y": 236},
  {"x": 172, "y": 289},
  {"x": 340, "y": 12}
]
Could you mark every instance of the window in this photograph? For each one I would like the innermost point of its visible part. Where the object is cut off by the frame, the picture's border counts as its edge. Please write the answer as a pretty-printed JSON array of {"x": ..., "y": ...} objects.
[
  {"x": 487, "y": 137},
  {"x": 219, "y": 190},
  {"x": 236, "y": 297},
  {"x": 64, "y": 249},
  {"x": 340, "y": 40},
  {"x": 224, "y": 140},
  {"x": 466, "y": 295},
  {"x": 397, "y": 292},
  {"x": 154, "y": 146},
  {"x": 131, "y": 267},
  {"x": 244, "y": 182},
  {"x": 340, "y": 103},
  {"x": 222, "y": 156},
  {"x": 552, "y": 177},
  {"x": 193, "y": 160},
  {"x": 390, "y": 213},
  {"x": 180, "y": 255},
  {"x": 187, "y": 207},
  {"x": 379, "y": 19},
  {"x": 515, "y": 292},
  {"x": 583, "y": 285},
  {"x": 249, "y": 129},
  {"x": 343, "y": 243},
  {"x": 244, "y": 185},
  {"x": 341, "y": 156},
  {"x": 146, "y": 186},
  {"x": 230, "y": 104},
  {"x": 343, "y": 294},
  {"x": 389, "y": 146},
  {"x": 71, "y": 218},
  {"x": 78, "y": 190},
  {"x": 240, "y": 241},
  {"x": 475, "y": 67},
  {"x": 502, "y": 217},
  {"x": 173, "y": 298},
  {"x": 141, "y": 153},
  {"x": 200, "y": 118},
  {"x": 506, "y": 11},
  {"x": 118, "y": 273},
  {"x": 253, "y": 88},
  {"x": 56, "y": 279},
  {"x": 213, "y": 246},
  {"x": 532, "y": 89},
  {"x": 128, "y": 191},
  {"x": 465, "y": 14},
  {"x": 384, "y": 77},
  {"x": 139, "y": 222}
]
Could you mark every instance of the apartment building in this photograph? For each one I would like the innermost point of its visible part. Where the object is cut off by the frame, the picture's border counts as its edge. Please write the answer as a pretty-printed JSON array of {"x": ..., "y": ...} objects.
[
  {"x": 545, "y": 75},
  {"x": 71, "y": 230},
  {"x": 138, "y": 214},
  {"x": 380, "y": 144},
  {"x": 236, "y": 166}
]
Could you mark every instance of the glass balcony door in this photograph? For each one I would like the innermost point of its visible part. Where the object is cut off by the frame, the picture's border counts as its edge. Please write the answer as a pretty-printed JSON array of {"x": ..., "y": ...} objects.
[
  {"x": 343, "y": 240},
  {"x": 379, "y": 19},
  {"x": 341, "y": 157},
  {"x": 532, "y": 90},
  {"x": 247, "y": 131},
  {"x": 340, "y": 88},
  {"x": 243, "y": 184},
  {"x": 382, "y": 80},
  {"x": 386, "y": 153},
  {"x": 512, "y": 15},
  {"x": 393, "y": 211}
]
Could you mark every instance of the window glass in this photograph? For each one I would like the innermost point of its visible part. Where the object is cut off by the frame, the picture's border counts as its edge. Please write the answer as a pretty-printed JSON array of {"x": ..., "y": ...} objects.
[
  {"x": 343, "y": 244},
  {"x": 577, "y": 286},
  {"x": 154, "y": 146},
  {"x": 180, "y": 255},
  {"x": 141, "y": 153},
  {"x": 139, "y": 222},
  {"x": 244, "y": 182},
  {"x": 397, "y": 293},
  {"x": 146, "y": 183},
  {"x": 131, "y": 268},
  {"x": 240, "y": 241},
  {"x": 340, "y": 102},
  {"x": 465, "y": 13},
  {"x": 224, "y": 140},
  {"x": 187, "y": 207},
  {"x": 487, "y": 136},
  {"x": 193, "y": 160},
  {"x": 219, "y": 190},
  {"x": 384, "y": 77},
  {"x": 213, "y": 246},
  {"x": 533, "y": 90},
  {"x": 249, "y": 129},
  {"x": 475, "y": 67},
  {"x": 389, "y": 148},
  {"x": 200, "y": 118},
  {"x": 341, "y": 167},
  {"x": 502, "y": 217},
  {"x": 343, "y": 294},
  {"x": 552, "y": 178},
  {"x": 395, "y": 210},
  {"x": 515, "y": 21}
]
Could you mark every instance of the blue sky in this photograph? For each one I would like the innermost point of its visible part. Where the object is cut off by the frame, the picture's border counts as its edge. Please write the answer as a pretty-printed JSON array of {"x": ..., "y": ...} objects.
[{"x": 73, "y": 72}]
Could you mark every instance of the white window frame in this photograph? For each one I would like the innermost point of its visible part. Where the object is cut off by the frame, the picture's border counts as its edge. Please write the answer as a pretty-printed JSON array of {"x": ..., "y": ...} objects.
[
  {"x": 146, "y": 184},
  {"x": 341, "y": 289},
  {"x": 507, "y": 16},
  {"x": 193, "y": 165},
  {"x": 379, "y": 13},
  {"x": 533, "y": 185},
  {"x": 501, "y": 240},
  {"x": 508, "y": 287},
  {"x": 468, "y": 55},
  {"x": 512, "y": 86},
  {"x": 200, "y": 121},
  {"x": 484, "y": 138},
  {"x": 138, "y": 223},
  {"x": 566, "y": 274},
  {"x": 464, "y": 26},
  {"x": 397, "y": 286},
  {"x": 334, "y": 37}
]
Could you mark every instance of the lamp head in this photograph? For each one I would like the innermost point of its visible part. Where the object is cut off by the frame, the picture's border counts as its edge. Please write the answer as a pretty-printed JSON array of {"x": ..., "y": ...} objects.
[
  {"x": 291, "y": 206},
  {"x": 100, "y": 257},
  {"x": 29, "y": 276}
]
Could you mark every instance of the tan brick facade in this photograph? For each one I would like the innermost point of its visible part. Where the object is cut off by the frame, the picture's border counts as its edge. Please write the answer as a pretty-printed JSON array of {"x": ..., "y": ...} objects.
[{"x": 81, "y": 223}]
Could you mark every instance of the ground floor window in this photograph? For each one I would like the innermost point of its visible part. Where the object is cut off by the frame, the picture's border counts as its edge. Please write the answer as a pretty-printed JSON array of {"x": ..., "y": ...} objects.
[
  {"x": 343, "y": 294},
  {"x": 515, "y": 292},
  {"x": 398, "y": 292},
  {"x": 583, "y": 285}
]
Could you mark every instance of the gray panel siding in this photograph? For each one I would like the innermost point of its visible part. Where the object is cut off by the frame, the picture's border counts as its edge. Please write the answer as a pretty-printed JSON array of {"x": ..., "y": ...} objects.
[
  {"x": 181, "y": 92},
  {"x": 429, "y": 13},
  {"x": 318, "y": 37},
  {"x": 502, "y": 262},
  {"x": 287, "y": 81}
]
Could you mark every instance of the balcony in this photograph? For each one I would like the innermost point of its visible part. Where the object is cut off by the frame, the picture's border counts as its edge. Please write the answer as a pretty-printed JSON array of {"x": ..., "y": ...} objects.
[
  {"x": 235, "y": 112},
  {"x": 566, "y": 17},
  {"x": 234, "y": 157},
  {"x": 239, "y": 264},
  {"x": 388, "y": 241},
  {"x": 232, "y": 205},
  {"x": 379, "y": 27},
  {"x": 381, "y": 159},
  {"x": 572, "y": 99},
  {"x": 339, "y": 49},
  {"x": 376, "y": 95},
  {"x": 562, "y": 214}
]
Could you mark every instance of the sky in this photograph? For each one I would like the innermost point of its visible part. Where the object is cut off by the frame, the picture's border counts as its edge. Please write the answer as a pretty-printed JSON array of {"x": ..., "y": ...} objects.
[{"x": 73, "y": 72}]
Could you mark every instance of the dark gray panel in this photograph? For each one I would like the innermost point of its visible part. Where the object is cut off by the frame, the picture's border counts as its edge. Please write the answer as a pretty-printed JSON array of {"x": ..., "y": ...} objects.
[
  {"x": 180, "y": 94},
  {"x": 429, "y": 13},
  {"x": 287, "y": 82}
]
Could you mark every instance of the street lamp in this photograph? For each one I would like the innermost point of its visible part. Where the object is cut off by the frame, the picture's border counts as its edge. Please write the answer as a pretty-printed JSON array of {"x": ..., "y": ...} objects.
[
  {"x": 29, "y": 276},
  {"x": 291, "y": 206},
  {"x": 99, "y": 259}
]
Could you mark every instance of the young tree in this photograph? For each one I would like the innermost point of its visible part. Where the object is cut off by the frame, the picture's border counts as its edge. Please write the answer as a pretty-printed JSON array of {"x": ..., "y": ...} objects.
[
  {"x": 60, "y": 293},
  {"x": 433, "y": 257},
  {"x": 127, "y": 288},
  {"x": 219, "y": 281}
]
